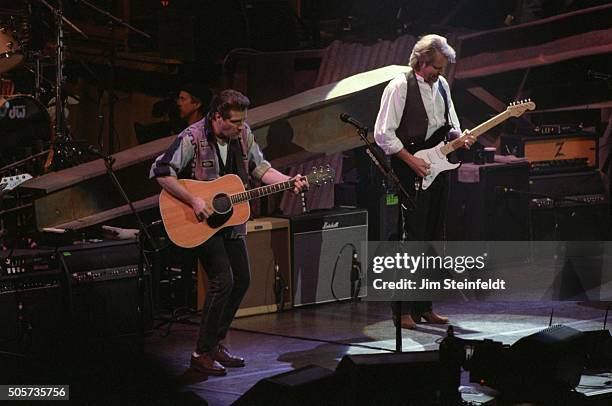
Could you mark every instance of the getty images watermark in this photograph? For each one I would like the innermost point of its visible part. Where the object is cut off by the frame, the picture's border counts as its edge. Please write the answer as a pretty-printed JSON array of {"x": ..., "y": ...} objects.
[
  {"x": 502, "y": 270},
  {"x": 420, "y": 263}
]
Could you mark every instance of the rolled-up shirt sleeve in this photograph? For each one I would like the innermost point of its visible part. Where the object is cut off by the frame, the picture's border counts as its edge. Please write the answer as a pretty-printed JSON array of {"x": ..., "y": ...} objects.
[
  {"x": 389, "y": 116},
  {"x": 257, "y": 163},
  {"x": 176, "y": 158}
]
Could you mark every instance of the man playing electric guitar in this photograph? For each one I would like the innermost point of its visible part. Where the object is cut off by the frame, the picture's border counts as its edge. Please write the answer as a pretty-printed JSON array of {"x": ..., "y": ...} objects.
[
  {"x": 416, "y": 111},
  {"x": 219, "y": 144}
]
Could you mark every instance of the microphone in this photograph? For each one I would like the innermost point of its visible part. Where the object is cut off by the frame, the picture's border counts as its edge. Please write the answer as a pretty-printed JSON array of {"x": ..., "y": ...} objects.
[
  {"x": 348, "y": 119},
  {"x": 280, "y": 286},
  {"x": 99, "y": 153}
]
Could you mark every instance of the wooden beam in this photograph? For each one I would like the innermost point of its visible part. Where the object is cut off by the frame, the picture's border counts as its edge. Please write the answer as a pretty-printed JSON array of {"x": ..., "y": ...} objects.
[
  {"x": 519, "y": 91},
  {"x": 543, "y": 21},
  {"x": 487, "y": 98},
  {"x": 590, "y": 43},
  {"x": 592, "y": 106}
]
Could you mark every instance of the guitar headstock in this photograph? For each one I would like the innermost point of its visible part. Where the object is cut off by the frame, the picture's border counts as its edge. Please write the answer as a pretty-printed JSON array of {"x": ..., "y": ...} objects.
[
  {"x": 11, "y": 182},
  {"x": 516, "y": 109},
  {"x": 321, "y": 175}
]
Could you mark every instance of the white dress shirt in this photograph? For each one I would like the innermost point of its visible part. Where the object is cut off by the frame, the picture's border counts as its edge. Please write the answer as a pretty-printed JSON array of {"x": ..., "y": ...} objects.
[{"x": 392, "y": 107}]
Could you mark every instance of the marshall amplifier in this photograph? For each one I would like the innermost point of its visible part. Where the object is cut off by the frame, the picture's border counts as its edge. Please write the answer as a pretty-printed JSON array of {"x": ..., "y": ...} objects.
[{"x": 326, "y": 249}]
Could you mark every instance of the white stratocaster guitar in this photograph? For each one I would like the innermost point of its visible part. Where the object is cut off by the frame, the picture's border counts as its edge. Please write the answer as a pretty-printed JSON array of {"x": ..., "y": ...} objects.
[{"x": 434, "y": 150}]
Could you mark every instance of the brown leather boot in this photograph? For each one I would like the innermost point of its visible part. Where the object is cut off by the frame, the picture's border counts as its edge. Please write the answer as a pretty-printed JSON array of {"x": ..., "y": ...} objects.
[
  {"x": 221, "y": 354},
  {"x": 434, "y": 318},
  {"x": 207, "y": 365},
  {"x": 407, "y": 322}
]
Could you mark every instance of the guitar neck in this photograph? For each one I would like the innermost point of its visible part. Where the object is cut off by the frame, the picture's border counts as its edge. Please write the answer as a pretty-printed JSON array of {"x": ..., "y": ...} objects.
[
  {"x": 263, "y": 191},
  {"x": 476, "y": 131}
]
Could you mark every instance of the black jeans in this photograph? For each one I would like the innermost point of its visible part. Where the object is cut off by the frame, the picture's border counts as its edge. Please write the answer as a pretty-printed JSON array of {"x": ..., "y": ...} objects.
[
  {"x": 426, "y": 223},
  {"x": 226, "y": 262}
]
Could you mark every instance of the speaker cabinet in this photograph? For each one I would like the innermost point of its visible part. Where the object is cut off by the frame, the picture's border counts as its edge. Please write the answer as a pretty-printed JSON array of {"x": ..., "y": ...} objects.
[
  {"x": 268, "y": 248},
  {"x": 411, "y": 378},
  {"x": 489, "y": 203},
  {"x": 32, "y": 312},
  {"x": 310, "y": 385},
  {"x": 322, "y": 247},
  {"x": 552, "y": 359}
]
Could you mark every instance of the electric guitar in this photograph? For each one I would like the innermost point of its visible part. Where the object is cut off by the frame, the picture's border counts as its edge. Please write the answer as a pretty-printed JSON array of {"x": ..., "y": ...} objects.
[
  {"x": 11, "y": 182},
  {"x": 434, "y": 150},
  {"x": 228, "y": 199}
]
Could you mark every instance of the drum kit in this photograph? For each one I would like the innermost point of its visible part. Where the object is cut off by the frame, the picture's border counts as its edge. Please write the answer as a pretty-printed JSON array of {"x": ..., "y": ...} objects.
[
  {"x": 34, "y": 134},
  {"x": 27, "y": 130}
]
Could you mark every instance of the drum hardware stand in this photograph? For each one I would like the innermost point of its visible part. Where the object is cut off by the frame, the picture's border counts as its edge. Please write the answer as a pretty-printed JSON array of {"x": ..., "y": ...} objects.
[
  {"x": 60, "y": 132},
  {"x": 112, "y": 97}
]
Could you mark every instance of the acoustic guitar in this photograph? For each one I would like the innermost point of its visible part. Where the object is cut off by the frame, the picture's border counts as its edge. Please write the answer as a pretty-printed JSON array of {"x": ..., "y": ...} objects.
[{"x": 229, "y": 200}]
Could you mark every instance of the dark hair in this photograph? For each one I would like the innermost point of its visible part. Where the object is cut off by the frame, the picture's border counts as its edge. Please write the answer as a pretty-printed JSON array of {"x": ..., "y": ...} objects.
[
  {"x": 199, "y": 93},
  {"x": 227, "y": 100}
]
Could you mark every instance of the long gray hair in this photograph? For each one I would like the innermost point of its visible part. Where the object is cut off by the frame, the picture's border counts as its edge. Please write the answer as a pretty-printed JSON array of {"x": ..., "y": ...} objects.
[{"x": 425, "y": 48}]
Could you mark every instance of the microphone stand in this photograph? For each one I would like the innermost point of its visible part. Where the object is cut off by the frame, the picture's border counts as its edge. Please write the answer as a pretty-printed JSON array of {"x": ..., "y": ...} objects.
[
  {"x": 388, "y": 173},
  {"x": 108, "y": 162}
]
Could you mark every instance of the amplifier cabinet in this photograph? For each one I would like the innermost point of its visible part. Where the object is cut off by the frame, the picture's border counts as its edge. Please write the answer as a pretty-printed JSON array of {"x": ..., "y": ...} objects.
[
  {"x": 553, "y": 147},
  {"x": 33, "y": 311},
  {"x": 269, "y": 252},
  {"x": 491, "y": 206},
  {"x": 105, "y": 288},
  {"x": 569, "y": 207},
  {"x": 322, "y": 247}
]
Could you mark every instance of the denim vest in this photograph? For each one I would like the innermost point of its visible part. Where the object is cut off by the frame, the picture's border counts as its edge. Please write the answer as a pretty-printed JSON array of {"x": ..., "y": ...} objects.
[{"x": 205, "y": 165}]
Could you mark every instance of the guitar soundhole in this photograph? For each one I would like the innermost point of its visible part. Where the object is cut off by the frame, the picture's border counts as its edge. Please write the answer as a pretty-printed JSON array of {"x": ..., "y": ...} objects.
[{"x": 221, "y": 203}]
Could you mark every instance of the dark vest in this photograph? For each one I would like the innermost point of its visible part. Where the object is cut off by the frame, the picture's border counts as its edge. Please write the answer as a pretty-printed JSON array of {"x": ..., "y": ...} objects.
[
  {"x": 414, "y": 122},
  {"x": 207, "y": 165}
]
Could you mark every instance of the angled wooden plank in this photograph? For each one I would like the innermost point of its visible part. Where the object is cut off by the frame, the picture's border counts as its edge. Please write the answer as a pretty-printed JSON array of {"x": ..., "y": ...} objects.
[
  {"x": 591, "y": 43},
  {"x": 487, "y": 98}
]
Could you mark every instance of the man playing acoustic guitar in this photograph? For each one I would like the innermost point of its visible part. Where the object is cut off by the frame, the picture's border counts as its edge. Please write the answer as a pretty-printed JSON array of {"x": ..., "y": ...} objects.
[{"x": 219, "y": 144}]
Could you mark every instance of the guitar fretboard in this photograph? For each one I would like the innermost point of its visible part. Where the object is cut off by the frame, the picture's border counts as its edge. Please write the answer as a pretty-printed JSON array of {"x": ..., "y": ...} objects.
[
  {"x": 476, "y": 131},
  {"x": 262, "y": 191}
]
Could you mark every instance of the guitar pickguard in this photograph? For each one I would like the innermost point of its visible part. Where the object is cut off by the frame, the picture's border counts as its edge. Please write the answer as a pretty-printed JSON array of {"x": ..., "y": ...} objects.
[{"x": 217, "y": 220}]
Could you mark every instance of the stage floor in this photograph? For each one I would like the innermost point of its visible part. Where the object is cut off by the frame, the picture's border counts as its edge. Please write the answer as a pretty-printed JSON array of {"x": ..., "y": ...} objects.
[{"x": 323, "y": 334}]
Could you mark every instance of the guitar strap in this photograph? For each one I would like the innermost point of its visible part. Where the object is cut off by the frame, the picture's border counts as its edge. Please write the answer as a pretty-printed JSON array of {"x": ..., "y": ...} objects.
[{"x": 442, "y": 91}]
